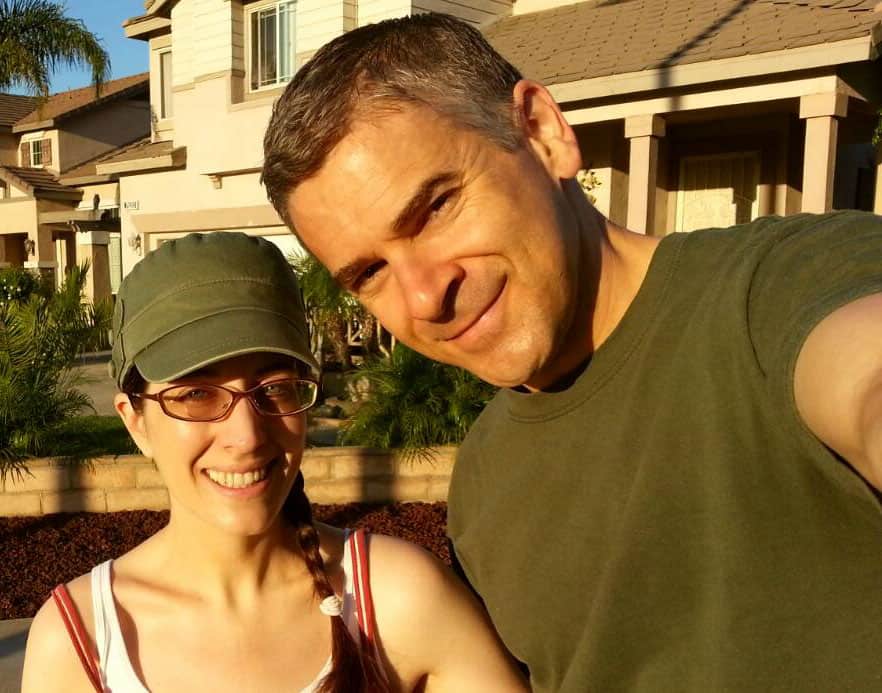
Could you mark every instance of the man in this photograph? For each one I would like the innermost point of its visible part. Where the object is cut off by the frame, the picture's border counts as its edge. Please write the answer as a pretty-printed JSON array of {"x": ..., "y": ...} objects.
[{"x": 675, "y": 490}]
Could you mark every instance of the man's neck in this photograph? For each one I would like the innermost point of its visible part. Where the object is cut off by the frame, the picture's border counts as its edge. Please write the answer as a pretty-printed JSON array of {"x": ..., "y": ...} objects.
[{"x": 613, "y": 264}]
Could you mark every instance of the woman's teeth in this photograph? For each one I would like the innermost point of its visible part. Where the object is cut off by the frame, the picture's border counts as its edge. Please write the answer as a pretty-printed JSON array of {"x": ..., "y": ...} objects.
[{"x": 237, "y": 480}]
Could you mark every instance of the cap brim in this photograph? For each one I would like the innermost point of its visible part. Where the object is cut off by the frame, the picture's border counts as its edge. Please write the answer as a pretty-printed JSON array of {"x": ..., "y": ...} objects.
[{"x": 218, "y": 337}]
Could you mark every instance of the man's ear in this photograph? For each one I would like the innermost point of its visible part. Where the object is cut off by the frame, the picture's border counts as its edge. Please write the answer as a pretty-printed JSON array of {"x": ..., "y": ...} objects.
[
  {"x": 134, "y": 422},
  {"x": 546, "y": 130}
]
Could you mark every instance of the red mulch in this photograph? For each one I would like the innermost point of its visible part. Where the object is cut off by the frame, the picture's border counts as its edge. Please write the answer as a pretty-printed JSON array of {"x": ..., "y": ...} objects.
[{"x": 37, "y": 553}]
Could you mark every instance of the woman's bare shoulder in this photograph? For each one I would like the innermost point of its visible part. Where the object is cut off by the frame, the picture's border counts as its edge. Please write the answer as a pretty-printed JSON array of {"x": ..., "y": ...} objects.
[{"x": 51, "y": 663}]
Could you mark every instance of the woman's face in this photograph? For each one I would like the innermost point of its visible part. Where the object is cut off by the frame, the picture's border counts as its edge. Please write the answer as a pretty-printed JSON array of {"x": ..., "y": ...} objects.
[{"x": 234, "y": 473}]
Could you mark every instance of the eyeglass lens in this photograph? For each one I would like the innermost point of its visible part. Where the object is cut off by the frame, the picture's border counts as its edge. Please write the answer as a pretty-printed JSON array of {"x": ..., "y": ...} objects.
[{"x": 203, "y": 402}]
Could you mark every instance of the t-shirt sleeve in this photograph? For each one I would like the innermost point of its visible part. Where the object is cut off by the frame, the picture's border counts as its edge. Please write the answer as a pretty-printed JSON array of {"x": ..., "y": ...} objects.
[{"x": 814, "y": 264}]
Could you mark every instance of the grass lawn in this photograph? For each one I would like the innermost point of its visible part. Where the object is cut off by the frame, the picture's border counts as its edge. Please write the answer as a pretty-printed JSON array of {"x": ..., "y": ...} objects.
[{"x": 92, "y": 436}]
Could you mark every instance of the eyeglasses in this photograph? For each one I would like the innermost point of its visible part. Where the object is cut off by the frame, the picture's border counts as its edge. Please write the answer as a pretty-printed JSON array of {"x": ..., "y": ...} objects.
[{"x": 282, "y": 397}]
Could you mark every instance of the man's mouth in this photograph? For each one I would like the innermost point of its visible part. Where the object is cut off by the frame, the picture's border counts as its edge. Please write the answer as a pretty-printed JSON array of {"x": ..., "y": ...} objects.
[{"x": 478, "y": 316}]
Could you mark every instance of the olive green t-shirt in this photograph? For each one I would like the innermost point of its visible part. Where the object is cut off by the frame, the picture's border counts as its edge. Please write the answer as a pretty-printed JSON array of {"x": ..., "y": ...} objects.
[{"x": 667, "y": 523}]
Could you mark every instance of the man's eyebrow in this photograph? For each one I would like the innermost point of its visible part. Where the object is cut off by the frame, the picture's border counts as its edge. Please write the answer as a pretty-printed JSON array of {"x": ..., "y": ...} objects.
[
  {"x": 420, "y": 200},
  {"x": 415, "y": 205}
]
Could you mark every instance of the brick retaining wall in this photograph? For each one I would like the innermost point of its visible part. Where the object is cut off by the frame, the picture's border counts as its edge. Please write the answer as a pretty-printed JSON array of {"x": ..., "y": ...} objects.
[{"x": 131, "y": 482}]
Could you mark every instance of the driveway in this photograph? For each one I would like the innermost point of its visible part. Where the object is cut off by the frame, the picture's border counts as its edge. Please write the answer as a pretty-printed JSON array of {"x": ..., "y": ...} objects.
[
  {"x": 97, "y": 383},
  {"x": 13, "y": 635}
]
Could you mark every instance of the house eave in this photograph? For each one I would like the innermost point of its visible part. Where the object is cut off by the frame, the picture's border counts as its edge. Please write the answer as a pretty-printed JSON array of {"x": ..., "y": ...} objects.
[
  {"x": 177, "y": 158},
  {"x": 146, "y": 27},
  {"x": 31, "y": 127},
  {"x": 86, "y": 180},
  {"x": 852, "y": 50}
]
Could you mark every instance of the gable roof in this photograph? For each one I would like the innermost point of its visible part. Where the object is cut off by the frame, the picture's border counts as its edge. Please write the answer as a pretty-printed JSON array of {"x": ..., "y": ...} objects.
[
  {"x": 600, "y": 38},
  {"x": 13, "y": 108},
  {"x": 37, "y": 182},
  {"x": 69, "y": 103}
]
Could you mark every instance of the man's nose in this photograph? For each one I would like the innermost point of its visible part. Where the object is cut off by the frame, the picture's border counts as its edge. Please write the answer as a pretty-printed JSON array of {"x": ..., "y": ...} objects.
[
  {"x": 243, "y": 429},
  {"x": 429, "y": 288}
]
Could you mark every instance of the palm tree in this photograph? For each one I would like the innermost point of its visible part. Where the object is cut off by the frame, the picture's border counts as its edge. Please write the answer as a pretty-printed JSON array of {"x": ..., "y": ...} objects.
[
  {"x": 40, "y": 338},
  {"x": 36, "y": 36},
  {"x": 329, "y": 306}
]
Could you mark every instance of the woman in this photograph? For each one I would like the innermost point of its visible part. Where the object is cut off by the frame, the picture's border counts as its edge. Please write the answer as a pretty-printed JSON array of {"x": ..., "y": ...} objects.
[{"x": 241, "y": 591}]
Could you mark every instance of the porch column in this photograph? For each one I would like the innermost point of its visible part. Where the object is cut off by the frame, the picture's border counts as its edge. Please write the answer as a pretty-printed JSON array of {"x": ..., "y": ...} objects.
[
  {"x": 643, "y": 133},
  {"x": 93, "y": 246},
  {"x": 820, "y": 112}
]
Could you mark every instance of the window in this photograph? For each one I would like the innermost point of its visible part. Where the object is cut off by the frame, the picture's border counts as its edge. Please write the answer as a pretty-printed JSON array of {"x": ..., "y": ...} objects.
[
  {"x": 272, "y": 44},
  {"x": 165, "y": 81},
  {"x": 36, "y": 153}
]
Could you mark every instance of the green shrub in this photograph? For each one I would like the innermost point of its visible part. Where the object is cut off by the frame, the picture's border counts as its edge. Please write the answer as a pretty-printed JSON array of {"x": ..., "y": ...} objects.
[
  {"x": 414, "y": 403},
  {"x": 17, "y": 284},
  {"x": 40, "y": 339}
]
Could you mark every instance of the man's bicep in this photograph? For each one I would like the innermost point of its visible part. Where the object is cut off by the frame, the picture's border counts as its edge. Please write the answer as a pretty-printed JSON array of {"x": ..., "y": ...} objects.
[{"x": 838, "y": 384}]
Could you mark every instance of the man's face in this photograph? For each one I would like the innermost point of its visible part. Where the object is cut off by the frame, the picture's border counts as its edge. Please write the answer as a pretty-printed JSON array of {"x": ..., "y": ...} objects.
[{"x": 464, "y": 251}]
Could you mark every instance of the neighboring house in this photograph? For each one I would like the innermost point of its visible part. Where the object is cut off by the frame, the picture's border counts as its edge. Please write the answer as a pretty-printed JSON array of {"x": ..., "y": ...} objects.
[
  {"x": 689, "y": 113},
  {"x": 56, "y": 210}
]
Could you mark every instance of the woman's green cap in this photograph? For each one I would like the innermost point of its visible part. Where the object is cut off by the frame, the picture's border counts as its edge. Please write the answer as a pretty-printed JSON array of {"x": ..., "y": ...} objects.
[{"x": 204, "y": 298}]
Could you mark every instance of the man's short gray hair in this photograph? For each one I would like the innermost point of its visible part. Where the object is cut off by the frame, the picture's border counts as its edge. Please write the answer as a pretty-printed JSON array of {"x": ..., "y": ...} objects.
[{"x": 430, "y": 60}]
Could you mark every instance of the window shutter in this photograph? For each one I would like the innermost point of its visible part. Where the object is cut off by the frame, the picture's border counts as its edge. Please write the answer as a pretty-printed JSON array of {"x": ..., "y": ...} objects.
[
  {"x": 46, "y": 151},
  {"x": 25, "y": 154}
]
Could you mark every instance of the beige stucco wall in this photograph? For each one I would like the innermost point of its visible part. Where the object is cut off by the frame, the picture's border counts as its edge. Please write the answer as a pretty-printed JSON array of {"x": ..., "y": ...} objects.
[
  {"x": 18, "y": 214},
  {"x": 188, "y": 195},
  {"x": 8, "y": 149},
  {"x": 107, "y": 192},
  {"x": 98, "y": 131}
]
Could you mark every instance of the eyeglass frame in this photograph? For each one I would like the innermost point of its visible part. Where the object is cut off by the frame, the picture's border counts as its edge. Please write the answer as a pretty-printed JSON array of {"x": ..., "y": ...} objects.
[{"x": 236, "y": 396}]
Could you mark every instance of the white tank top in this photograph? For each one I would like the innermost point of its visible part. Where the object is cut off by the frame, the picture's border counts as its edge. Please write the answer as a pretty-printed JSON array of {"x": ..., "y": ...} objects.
[{"x": 117, "y": 673}]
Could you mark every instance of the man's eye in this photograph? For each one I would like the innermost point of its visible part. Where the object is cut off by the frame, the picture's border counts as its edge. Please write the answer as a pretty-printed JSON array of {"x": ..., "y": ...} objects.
[{"x": 440, "y": 202}]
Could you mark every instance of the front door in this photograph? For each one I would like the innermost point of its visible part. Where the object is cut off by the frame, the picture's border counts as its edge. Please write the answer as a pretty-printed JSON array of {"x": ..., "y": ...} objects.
[{"x": 717, "y": 190}]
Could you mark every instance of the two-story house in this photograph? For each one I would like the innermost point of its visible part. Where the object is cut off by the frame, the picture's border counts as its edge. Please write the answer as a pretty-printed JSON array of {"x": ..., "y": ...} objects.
[
  {"x": 216, "y": 67},
  {"x": 56, "y": 210},
  {"x": 689, "y": 113}
]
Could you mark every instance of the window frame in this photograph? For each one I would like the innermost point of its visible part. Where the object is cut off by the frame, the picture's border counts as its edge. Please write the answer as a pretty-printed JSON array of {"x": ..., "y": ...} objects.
[
  {"x": 166, "y": 85},
  {"x": 253, "y": 46},
  {"x": 36, "y": 152}
]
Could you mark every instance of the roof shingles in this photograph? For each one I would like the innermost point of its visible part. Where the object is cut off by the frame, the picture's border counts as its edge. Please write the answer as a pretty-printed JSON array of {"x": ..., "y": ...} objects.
[
  {"x": 597, "y": 39},
  {"x": 14, "y": 107},
  {"x": 38, "y": 178},
  {"x": 68, "y": 102}
]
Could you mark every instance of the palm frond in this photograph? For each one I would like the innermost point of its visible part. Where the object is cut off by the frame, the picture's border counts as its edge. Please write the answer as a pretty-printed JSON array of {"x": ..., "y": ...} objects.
[
  {"x": 36, "y": 37},
  {"x": 415, "y": 404},
  {"x": 41, "y": 336}
]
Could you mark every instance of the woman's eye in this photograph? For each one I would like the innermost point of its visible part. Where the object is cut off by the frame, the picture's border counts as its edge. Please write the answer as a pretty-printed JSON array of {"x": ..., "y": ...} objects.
[
  {"x": 368, "y": 275},
  {"x": 193, "y": 394},
  {"x": 277, "y": 389}
]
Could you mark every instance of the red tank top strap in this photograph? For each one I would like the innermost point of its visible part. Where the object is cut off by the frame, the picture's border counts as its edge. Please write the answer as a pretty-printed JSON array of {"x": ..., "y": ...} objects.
[
  {"x": 364, "y": 604},
  {"x": 78, "y": 637}
]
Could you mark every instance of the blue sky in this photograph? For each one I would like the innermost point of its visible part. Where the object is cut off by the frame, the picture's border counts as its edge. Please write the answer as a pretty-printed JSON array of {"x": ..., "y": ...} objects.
[{"x": 104, "y": 18}]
